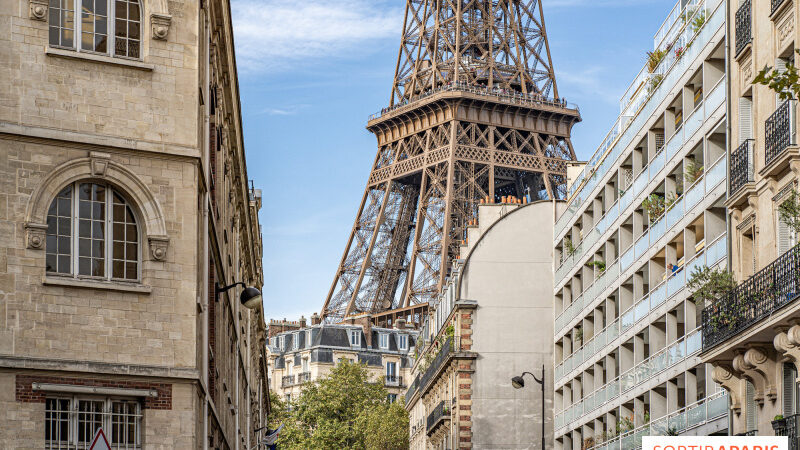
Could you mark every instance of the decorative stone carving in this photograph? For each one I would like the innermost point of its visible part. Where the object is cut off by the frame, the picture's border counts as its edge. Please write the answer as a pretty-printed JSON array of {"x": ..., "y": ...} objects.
[
  {"x": 160, "y": 25},
  {"x": 38, "y": 9},
  {"x": 746, "y": 73},
  {"x": 722, "y": 373},
  {"x": 158, "y": 247},
  {"x": 756, "y": 365},
  {"x": 35, "y": 235},
  {"x": 99, "y": 163},
  {"x": 785, "y": 30}
]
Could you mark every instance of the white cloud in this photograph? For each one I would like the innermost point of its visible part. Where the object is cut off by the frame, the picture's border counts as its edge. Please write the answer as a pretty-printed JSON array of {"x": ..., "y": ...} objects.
[
  {"x": 277, "y": 34},
  {"x": 596, "y": 3},
  {"x": 596, "y": 81}
]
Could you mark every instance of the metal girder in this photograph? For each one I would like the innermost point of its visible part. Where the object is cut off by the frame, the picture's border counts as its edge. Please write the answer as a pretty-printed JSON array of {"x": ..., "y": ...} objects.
[{"x": 436, "y": 164}]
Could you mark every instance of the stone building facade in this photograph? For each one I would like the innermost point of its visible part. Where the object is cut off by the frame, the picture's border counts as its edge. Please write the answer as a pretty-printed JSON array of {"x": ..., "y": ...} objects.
[
  {"x": 491, "y": 323},
  {"x": 751, "y": 335},
  {"x": 123, "y": 201},
  {"x": 300, "y": 354}
]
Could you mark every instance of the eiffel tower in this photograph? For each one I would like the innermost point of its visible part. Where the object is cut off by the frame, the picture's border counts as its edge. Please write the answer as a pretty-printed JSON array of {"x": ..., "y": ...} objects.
[{"x": 474, "y": 115}]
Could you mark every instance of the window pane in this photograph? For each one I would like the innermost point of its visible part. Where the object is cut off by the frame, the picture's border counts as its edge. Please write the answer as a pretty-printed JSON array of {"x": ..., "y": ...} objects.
[
  {"x": 126, "y": 241},
  {"x": 89, "y": 419},
  {"x": 59, "y": 217},
  {"x": 118, "y": 268},
  {"x": 127, "y": 28},
  {"x": 85, "y": 266},
  {"x": 122, "y": 11},
  {"x": 98, "y": 267}
]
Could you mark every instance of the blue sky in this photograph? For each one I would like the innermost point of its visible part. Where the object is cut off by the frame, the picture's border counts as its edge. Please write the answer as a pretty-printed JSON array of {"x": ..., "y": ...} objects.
[{"x": 311, "y": 71}]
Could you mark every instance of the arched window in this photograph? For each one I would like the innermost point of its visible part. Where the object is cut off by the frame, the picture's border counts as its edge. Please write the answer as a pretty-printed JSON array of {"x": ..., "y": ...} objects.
[
  {"x": 104, "y": 26},
  {"x": 92, "y": 233}
]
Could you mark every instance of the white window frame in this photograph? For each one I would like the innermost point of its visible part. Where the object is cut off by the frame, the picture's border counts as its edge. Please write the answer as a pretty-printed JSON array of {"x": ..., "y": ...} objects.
[
  {"x": 383, "y": 340},
  {"x": 355, "y": 338},
  {"x": 308, "y": 338},
  {"x": 281, "y": 343},
  {"x": 107, "y": 414},
  {"x": 108, "y": 249},
  {"x": 111, "y": 31},
  {"x": 402, "y": 343},
  {"x": 305, "y": 364},
  {"x": 295, "y": 341}
]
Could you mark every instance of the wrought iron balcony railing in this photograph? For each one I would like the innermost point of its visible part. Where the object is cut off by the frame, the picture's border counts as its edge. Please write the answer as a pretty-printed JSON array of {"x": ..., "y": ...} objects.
[
  {"x": 744, "y": 27},
  {"x": 742, "y": 165},
  {"x": 748, "y": 433},
  {"x": 439, "y": 414},
  {"x": 772, "y": 288},
  {"x": 412, "y": 389},
  {"x": 304, "y": 377},
  {"x": 788, "y": 427},
  {"x": 287, "y": 380},
  {"x": 780, "y": 131},
  {"x": 775, "y": 5},
  {"x": 393, "y": 380}
]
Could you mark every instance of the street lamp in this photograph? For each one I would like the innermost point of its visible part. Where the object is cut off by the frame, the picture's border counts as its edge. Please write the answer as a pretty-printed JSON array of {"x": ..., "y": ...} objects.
[
  {"x": 250, "y": 296},
  {"x": 518, "y": 382}
]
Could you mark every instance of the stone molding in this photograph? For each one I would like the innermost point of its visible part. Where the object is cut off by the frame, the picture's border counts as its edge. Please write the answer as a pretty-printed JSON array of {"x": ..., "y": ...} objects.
[
  {"x": 98, "y": 166},
  {"x": 38, "y": 9},
  {"x": 723, "y": 374},
  {"x": 159, "y": 23},
  {"x": 756, "y": 366}
]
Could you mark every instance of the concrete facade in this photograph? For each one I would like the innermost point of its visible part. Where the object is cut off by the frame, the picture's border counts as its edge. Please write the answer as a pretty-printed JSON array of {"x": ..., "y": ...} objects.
[
  {"x": 647, "y": 211},
  {"x": 162, "y": 131},
  {"x": 488, "y": 326},
  {"x": 752, "y": 337}
]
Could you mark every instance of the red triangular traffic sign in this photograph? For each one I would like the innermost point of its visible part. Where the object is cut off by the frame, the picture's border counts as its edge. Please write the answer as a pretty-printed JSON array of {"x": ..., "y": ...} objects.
[{"x": 100, "y": 442}]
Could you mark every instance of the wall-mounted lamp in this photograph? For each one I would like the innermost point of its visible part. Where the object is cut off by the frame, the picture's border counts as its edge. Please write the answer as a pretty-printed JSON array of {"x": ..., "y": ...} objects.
[{"x": 250, "y": 296}]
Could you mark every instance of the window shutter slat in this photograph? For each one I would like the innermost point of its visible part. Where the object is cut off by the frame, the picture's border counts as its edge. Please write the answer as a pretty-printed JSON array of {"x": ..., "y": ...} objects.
[
  {"x": 745, "y": 119},
  {"x": 789, "y": 375},
  {"x": 750, "y": 412}
]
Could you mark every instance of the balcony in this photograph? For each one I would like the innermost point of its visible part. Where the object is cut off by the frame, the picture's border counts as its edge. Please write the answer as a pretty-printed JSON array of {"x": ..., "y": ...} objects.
[
  {"x": 742, "y": 169},
  {"x": 393, "y": 381},
  {"x": 304, "y": 377},
  {"x": 769, "y": 290},
  {"x": 776, "y": 5},
  {"x": 744, "y": 27},
  {"x": 780, "y": 134},
  {"x": 288, "y": 380},
  {"x": 439, "y": 415},
  {"x": 788, "y": 427}
]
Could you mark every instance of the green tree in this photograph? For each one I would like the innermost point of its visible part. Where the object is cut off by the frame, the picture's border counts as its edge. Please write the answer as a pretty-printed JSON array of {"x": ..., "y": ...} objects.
[
  {"x": 708, "y": 285},
  {"x": 334, "y": 413},
  {"x": 386, "y": 427},
  {"x": 789, "y": 211},
  {"x": 786, "y": 83}
]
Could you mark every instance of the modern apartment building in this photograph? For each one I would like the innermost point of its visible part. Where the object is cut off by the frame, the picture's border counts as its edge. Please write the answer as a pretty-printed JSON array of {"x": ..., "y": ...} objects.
[
  {"x": 124, "y": 203},
  {"x": 750, "y": 335},
  {"x": 488, "y": 325},
  {"x": 647, "y": 210},
  {"x": 306, "y": 353}
]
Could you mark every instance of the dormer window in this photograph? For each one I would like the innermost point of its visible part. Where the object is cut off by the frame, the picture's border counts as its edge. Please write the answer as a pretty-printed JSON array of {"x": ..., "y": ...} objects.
[
  {"x": 355, "y": 338},
  {"x": 308, "y": 338},
  {"x": 295, "y": 341},
  {"x": 282, "y": 343},
  {"x": 383, "y": 340},
  {"x": 403, "y": 342}
]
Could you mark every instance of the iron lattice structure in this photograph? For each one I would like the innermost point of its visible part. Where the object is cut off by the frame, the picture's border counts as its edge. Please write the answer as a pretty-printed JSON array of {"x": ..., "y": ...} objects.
[{"x": 474, "y": 115}]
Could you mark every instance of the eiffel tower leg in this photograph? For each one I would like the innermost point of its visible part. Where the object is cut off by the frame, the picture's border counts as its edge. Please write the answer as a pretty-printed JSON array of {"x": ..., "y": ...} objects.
[
  {"x": 447, "y": 229},
  {"x": 408, "y": 287},
  {"x": 368, "y": 257}
]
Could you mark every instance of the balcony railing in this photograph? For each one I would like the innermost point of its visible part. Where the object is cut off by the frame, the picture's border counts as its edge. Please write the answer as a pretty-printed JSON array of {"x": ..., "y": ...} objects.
[
  {"x": 776, "y": 4},
  {"x": 742, "y": 165},
  {"x": 304, "y": 377},
  {"x": 412, "y": 389},
  {"x": 393, "y": 381},
  {"x": 744, "y": 27},
  {"x": 439, "y": 414},
  {"x": 780, "y": 131},
  {"x": 788, "y": 427},
  {"x": 287, "y": 380},
  {"x": 769, "y": 290}
]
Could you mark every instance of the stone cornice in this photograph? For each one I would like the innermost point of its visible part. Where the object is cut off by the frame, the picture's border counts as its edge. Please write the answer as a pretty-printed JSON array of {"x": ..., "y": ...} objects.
[{"x": 98, "y": 368}]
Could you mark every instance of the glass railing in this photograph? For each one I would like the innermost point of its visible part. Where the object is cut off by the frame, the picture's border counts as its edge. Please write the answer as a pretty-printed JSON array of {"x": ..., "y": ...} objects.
[
  {"x": 672, "y": 68},
  {"x": 701, "y": 188}
]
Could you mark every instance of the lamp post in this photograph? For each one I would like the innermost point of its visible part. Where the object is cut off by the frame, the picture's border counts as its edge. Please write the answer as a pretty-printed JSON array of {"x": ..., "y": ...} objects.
[
  {"x": 250, "y": 296},
  {"x": 518, "y": 382}
]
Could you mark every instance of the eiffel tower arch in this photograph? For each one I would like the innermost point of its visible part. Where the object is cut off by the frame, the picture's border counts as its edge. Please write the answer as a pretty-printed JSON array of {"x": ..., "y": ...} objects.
[{"x": 474, "y": 115}]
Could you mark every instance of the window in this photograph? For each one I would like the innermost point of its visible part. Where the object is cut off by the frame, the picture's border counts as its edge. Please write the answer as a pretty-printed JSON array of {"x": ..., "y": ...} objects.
[
  {"x": 295, "y": 341},
  {"x": 308, "y": 338},
  {"x": 403, "y": 341},
  {"x": 105, "y": 26},
  {"x": 71, "y": 422},
  {"x": 391, "y": 370},
  {"x": 282, "y": 343},
  {"x": 391, "y": 398},
  {"x": 107, "y": 243},
  {"x": 355, "y": 338},
  {"x": 305, "y": 364},
  {"x": 288, "y": 398},
  {"x": 273, "y": 342},
  {"x": 383, "y": 340}
]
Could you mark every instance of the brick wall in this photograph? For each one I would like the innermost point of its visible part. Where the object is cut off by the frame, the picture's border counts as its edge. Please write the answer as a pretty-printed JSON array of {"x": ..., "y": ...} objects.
[{"x": 26, "y": 394}]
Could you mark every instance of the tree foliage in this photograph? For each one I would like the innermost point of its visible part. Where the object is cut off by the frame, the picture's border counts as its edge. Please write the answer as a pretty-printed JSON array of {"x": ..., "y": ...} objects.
[
  {"x": 709, "y": 285},
  {"x": 785, "y": 83},
  {"x": 789, "y": 211},
  {"x": 342, "y": 410}
]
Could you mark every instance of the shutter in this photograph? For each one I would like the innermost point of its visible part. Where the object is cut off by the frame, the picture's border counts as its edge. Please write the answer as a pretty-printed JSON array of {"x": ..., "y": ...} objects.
[
  {"x": 745, "y": 119},
  {"x": 750, "y": 408},
  {"x": 780, "y": 66},
  {"x": 789, "y": 375},
  {"x": 784, "y": 236}
]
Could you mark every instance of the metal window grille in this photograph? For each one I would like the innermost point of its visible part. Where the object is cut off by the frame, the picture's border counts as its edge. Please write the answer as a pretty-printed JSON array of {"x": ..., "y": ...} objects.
[
  {"x": 743, "y": 23},
  {"x": 71, "y": 422}
]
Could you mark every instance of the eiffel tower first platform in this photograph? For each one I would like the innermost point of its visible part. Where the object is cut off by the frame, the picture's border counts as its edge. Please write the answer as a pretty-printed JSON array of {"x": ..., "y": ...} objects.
[{"x": 474, "y": 115}]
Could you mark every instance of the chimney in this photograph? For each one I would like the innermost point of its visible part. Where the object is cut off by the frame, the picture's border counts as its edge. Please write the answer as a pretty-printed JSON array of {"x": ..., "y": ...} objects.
[
  {"x": 315, "y": 320},
  {"x": 302, "y": 322}
]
